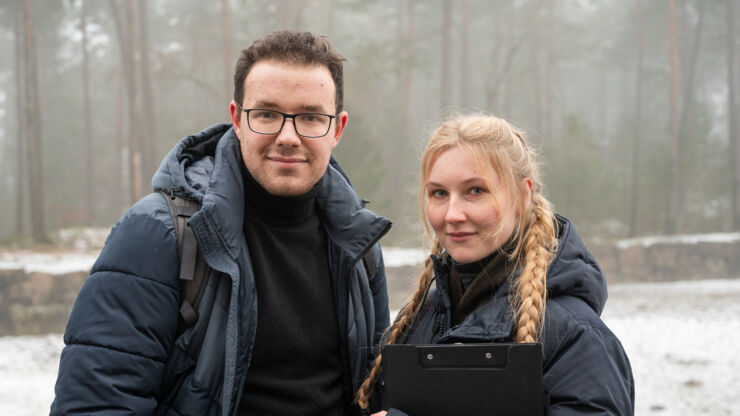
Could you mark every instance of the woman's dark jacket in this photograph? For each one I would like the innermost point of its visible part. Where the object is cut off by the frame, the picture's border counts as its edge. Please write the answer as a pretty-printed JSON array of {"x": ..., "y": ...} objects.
[
  {"x": 124, "y": 353},
  {"x": 586, "y": 371}
]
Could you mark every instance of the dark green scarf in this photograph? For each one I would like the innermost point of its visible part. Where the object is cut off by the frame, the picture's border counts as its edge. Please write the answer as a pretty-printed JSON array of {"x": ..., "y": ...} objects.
[{"x": 482, "y": 288}]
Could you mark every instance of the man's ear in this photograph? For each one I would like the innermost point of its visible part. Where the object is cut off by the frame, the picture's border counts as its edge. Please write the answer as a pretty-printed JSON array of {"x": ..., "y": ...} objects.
[
  {"x": 236, "y": 113},
  {"x": 341, "y": 122}
]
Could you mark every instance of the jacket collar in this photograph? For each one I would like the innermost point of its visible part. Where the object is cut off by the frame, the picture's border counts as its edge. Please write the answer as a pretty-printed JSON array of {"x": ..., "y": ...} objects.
[
  {"x": 573, "y": 272},
  {"x": 207, "y": 167},
  {"x": 491, "y": 321}
]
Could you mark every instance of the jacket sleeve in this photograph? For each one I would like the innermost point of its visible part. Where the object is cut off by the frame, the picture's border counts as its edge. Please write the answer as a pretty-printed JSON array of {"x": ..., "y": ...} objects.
[
  {"x": 379, "y": 288},
  {"x": 586, "y": 369},
  {"x": 123, "y": 323}
]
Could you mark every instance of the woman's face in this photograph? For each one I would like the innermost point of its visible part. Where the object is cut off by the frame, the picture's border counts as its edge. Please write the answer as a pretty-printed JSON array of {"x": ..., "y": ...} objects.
[{"x": 462, "y": 211}]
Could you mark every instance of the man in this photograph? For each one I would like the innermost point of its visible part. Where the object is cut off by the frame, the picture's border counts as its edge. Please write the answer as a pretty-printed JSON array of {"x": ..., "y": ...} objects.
[{"x": 290, "y": 318}]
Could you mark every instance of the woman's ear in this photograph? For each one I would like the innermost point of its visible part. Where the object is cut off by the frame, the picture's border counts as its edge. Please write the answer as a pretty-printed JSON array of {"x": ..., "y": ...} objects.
[{"x": 527, "y": 191}]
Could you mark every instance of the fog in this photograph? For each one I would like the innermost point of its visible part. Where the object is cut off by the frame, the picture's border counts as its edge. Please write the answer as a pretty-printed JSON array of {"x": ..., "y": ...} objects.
[{"x": 632, "y": 104}]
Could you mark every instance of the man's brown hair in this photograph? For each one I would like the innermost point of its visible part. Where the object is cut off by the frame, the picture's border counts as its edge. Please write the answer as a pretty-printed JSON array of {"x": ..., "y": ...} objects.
[{"x": 291, "y": 47}]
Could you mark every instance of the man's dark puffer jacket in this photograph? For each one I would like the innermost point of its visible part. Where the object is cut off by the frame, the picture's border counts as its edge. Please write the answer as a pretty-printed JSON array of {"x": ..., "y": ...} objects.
[{"x": 123, "y": 353}]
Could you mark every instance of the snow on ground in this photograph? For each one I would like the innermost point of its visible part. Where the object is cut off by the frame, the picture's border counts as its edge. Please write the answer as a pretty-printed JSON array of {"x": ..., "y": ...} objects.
[
  {"x": 681, "y": 337},
  {"x": 28, "y": 370},
  {"x": 726, "y": 238},
  {"x": 682, "y": 340},
  {"x": 76, "y": 250},
  {"x": 399, "y": 257}
]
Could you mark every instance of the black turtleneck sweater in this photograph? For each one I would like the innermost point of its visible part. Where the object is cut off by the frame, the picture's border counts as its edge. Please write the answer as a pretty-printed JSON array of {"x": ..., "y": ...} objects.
[{"x": 295, "y": 367}]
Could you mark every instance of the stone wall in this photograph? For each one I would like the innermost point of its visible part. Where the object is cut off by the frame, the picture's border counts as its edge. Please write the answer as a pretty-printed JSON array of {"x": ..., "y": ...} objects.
[
  {"x": 36, "y": 303},
  {"x": 40, "y": 303},
  {"x": 669, "y": 261},
  {"x": 622, "y": 263}
]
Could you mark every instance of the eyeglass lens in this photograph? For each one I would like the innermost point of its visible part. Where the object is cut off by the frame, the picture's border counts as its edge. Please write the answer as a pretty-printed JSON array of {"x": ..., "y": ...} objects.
[{"x": 307, "y": 124}]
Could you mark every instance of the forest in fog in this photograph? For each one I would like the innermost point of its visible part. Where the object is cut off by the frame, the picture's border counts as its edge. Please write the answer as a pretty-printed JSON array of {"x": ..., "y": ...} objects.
[{"x": 633, "y": 104}]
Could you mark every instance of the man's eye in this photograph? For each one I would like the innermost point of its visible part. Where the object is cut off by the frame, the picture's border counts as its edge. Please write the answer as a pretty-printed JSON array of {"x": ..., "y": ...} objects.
[{"x": 265, "y": 114}]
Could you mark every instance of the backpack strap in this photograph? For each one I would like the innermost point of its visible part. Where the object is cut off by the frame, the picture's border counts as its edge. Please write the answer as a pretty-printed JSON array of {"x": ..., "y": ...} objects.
[
  {"x": 193, "y": 269},
  {"x": 369, "y": 262}
]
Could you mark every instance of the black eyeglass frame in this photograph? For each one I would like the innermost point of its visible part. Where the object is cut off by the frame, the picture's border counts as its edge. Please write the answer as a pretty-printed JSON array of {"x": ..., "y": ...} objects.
[{"x": 286, "y": 116}]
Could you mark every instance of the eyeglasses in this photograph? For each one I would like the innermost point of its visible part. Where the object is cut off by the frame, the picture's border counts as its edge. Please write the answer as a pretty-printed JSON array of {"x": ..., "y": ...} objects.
[{"x": 311, "y": 125}]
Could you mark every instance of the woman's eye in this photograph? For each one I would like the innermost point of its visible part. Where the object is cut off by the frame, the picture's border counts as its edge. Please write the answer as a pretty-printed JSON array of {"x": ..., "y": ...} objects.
[
  {"x": 477, "y": 190},
  {"x": 438, "y": 193}
]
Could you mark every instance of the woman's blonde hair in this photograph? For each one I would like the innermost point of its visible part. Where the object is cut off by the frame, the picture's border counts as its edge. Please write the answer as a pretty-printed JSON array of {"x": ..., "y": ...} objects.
[{"x": 496, "y": 148}]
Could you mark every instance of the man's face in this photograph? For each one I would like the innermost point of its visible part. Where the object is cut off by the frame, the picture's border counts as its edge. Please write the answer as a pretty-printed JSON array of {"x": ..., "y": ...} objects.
[{"x": 286, "y": 164}]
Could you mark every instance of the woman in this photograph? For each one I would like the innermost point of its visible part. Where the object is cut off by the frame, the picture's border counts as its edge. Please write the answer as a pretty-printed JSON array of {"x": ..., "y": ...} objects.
[{"x": 505, "y": 268}]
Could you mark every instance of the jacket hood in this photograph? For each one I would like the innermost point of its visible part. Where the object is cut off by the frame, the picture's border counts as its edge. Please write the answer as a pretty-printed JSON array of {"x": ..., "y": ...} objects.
[
  {"x": 574, "y": 270},
  {"x": 187, "y": 167}
]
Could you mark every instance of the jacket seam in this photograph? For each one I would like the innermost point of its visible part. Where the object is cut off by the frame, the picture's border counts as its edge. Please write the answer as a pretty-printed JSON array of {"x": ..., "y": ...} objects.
[
  {"x": 149, "y": 279},
  {"x": 108, "y": 347},
  {"x": 578, "y": 320}
]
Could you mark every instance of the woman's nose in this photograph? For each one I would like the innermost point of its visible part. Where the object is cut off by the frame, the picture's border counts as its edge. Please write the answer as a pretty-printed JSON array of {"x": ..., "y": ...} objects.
[{"x": 455, "y": 211}]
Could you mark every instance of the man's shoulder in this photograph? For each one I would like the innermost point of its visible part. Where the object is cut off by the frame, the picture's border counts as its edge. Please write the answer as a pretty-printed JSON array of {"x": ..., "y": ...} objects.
[
  {"x": 153, "y": 205},
  {"x": 142, "y": 243}
]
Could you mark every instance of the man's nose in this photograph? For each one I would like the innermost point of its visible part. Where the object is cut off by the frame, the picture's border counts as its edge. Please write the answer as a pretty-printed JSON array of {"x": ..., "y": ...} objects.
[{"x": 288, "y": 136}]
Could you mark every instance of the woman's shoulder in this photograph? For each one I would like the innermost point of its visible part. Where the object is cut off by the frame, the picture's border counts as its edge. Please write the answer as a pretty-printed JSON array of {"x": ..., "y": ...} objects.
[
  {"x": 570, "y": 316},
  {"x": 579, "y": 348},
  {"x": 570, "y": 323}
]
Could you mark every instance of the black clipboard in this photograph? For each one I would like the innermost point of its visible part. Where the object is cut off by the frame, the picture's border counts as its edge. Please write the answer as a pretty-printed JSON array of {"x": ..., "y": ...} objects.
[{"x": 465, "y": 379}]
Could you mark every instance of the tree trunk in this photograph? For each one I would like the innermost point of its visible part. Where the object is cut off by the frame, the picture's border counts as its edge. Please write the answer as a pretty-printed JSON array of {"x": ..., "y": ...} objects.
[
  {"x": 148, "y": 131},
  {"x": 638, "y": 122},
  {"x": 33, "y": 129},
  {"x": 226, "y": 49},
  {"x": 89, "y": 168},
  {"x": 732, "y": 118},
  {"x": 603, "y": 100},
  {"x": 331, "y": 6},
  {"x": 445, "y": 84},
  {"x": 125, "y": 32},
  {"x": 686, "y": 130},
  {"x": 406, "y": 56},
  {"x": 464, "y": 56},
  {"x": 549, "y": 68},
  {"x": 674, "y": 206},
  {"x": 118, "y": 150},
  {"x": 537, "y": 95},
  {"x": 20, "y": 133}
]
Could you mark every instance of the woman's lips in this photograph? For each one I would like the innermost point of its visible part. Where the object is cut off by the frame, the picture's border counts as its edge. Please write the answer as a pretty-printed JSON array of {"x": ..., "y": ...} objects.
[{"x": 459, "y": 237}]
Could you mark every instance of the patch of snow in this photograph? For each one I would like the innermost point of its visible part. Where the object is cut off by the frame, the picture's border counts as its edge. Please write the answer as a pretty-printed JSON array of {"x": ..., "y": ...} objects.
[
  {"x": 29, "y": 366},
  {"x": 51, "y": 263},
  {"x": 398, "y": 257},
  {"x": 82, "y": 238},
  {"x": 681, "y": 339},
  {"x": 726, "y": 238}
]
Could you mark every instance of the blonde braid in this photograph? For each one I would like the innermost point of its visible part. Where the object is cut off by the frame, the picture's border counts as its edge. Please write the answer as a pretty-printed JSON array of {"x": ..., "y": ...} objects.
[
  {"x": 400, "y": 325},
  {"x": 530, "y": 288}
]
